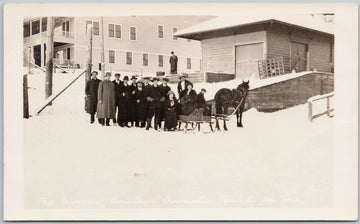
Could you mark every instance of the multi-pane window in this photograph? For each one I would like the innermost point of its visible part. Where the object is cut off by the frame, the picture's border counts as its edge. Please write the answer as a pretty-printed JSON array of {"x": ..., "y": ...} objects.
[
  {"x": 145, "y": 59},
  {"x": 27, "y": 30},
  {"x": 111, "y": 56},
  {"x": 161, "y": 60},
  {"x": 66, "y": 26},
  {"x": 35, "y": 26},
  {"x": 111, "y": 30},
  {"x": 188, "y": 63},
  {"x": 174, "y": 31},
  {"x": 43, "y": 24},
  {"x": 95, "y": 27},
  {"x": 160, "y": 31},
  {"x": 117, "y": 31},
  {"x": 128, "y": 58},
  {"x": 132, "y": 33}
]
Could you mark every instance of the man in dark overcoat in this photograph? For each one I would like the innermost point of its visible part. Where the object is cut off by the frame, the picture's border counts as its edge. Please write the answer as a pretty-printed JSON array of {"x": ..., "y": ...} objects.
[
  {"x": 153, "y": 97},
  {"x": 164, "y": 88},
  {"x": 117, "y": 82},
  {"x": 91, "y": 91},
  {"x": 182, "y": 86},
  {"x": 132, "y": 102},
  {"x": 173, "y": 63},
  {"x": 106, "y": 101},
  {"x": 124, "y": 103},
  {"x": 146, "y": 87},
  {"x": 201, "y": 103}
]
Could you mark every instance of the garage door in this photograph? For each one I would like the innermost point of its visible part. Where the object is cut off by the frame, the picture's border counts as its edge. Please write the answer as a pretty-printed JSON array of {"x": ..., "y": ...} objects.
[{"x": 247, "y": 57}]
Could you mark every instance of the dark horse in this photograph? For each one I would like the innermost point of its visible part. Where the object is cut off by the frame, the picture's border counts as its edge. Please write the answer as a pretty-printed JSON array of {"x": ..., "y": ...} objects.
[{"x": 225, "y": 98}]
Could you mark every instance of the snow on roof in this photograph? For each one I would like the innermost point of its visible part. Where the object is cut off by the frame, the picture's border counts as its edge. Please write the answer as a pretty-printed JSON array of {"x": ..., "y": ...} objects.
[{"x": 223, "y": 22}]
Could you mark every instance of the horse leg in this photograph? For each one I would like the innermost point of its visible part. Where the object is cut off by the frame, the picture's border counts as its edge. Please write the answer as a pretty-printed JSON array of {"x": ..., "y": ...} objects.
[
  {"x": 225, "y": 112},
  {"x": 217, "y": 123},
  {"x": 240, "y": 117},
  {"x": 238, "y": 122}
]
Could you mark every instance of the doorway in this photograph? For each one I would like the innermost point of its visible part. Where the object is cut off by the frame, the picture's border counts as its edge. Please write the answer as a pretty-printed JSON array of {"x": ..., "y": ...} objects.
[
  {"x": 298, "y": 56},
  {"x": 246, "y": 60}
]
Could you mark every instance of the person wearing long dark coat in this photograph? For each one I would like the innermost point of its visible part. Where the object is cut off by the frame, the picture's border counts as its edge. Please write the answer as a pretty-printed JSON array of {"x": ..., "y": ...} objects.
[
  {"x": 106, "y": 101},
  {"x": 201, "y": 103},
  {"x": 173, "y": 63},
  {"x": 118, "y": 83},
  {"x": 132, "y": 103},
  {"x": 141, "y": 105},
  {"x": 171, "y": 105},
  {"x": 164, "y": 88},
  {"x": 188, "y": 101},
  {"x": 182, "y": 86},
  {"x": 124, "y": 103},
  {"x": 146, "y": 87},
  {"x": 91, "y": 91},
  {"x": 153, "y": 97}
]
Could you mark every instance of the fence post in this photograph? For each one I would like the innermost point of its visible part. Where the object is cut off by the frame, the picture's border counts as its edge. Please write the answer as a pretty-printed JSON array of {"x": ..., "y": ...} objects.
[
  {"x": 310, "y": 111},
  {"x": 328, "y": 106}
]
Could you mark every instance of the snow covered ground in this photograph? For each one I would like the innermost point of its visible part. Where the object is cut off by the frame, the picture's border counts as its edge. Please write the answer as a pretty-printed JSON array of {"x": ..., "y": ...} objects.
[{"x": 277, "y": 160}]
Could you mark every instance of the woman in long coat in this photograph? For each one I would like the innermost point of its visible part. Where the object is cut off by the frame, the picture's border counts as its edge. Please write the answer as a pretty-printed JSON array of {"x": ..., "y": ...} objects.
[
  {"x": 170, "y": 112},
  {"x": 106, "y": 101},
  {"x": 141, "y": 105},
  {"x": 188, "y": 101}
]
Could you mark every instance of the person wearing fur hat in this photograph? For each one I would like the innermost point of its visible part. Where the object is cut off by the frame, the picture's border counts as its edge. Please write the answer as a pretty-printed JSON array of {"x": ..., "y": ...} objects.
[
  {"x": 182, "y": 85},
  {"x": 188, "y": 101},
  {"x": 132, "y": 102},
  {"x": 153, "y": 98},
  {"x": 141, "y": 105},
  {"x": 124, "y": 103},
  {"x": 171, "y": 105},
  {"x": 106, "y": 101}
]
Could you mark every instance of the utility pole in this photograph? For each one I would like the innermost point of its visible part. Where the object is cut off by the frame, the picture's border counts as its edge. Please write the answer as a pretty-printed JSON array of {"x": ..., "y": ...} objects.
[
  {"x": 102, "y": 50},
  {"x": 89, "y": 58},
  {"x": 49, "y": 57}
]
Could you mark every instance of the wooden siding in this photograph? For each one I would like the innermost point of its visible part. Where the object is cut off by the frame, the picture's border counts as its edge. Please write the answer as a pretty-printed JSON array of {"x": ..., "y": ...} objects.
[
  {"x": 279, "y": 39},
  {"x": 218, "y": 77},
  {"x": 218, "y": 53},
  {"x": 290, "y": 93},
  {"x": 319, "y": 48}
]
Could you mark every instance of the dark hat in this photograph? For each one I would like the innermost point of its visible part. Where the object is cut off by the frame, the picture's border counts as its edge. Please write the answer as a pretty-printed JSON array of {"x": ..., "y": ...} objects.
[
  {"x": 94, "y": 73},
  {"x": 146, "y": 78},
  {"x": 203, "y": 89},
  {"x": 140, "y": 81},
  {"x": 190, "y": 84},
  {"x": 126, "y": 77},
  {"x": 165, "y": 79},
  {"x": 183, "y": 75},
  {"x": 155, "y": 78},
  {"x": 117, "y": 74},
  {"x": 108, "y": 74},
  {"x": 172, "y": 52},
  {"x": 170, "y": 92},
  {"x": 133, "y": 77}
]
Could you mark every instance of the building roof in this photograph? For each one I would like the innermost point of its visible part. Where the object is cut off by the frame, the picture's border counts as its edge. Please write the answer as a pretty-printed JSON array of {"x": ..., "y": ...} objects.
[{"x": 309, "y": 22}]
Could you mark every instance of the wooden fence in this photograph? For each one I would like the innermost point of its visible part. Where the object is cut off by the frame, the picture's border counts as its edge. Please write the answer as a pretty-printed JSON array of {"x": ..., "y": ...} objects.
[{"x": 311, "y": 100}]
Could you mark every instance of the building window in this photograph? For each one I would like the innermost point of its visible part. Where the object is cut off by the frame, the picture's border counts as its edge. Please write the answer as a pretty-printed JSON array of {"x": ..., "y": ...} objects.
[
  {"x": 27, "y": 30},
  {"x": 161, "y": 61},
  {"x": 111, "y": 56},
  {"x": 145, "y": 59},
  {"x": 111, "y": 30},
  {"x": 36, "y": 27},
  {"x": 95, "y": 27},
  {"x": 132, "y": 33},
  {"x": 43, "y": 24},
  {"x": 117, "y": 31},
  {"x": 128, "y": 58},
  {"x": 174, "y": 31},
  {"x": 160, "y": 31},
  {"x": 188, "y": 63},
  {"x": 66, "y": 26}
]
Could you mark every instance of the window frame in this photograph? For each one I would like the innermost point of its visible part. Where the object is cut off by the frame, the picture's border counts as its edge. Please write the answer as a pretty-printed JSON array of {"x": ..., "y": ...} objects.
[
  {"x": 160, "y": 31},
  {"x": 188, "y": 63},
  {"x": 173, "y": 29},
  {"x": 161, "y": 62},
  {"x": 113, "y": 30},
  {"x": 112, "y": 57},
  {"x": 129, "y": 58},
  {"x": 145, "y": 59},
  {"x": 130, "y": 33}
]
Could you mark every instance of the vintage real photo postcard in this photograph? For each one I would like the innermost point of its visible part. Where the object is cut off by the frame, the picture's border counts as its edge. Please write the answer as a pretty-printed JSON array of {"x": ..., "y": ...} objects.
[{"x": 180, "y": 111}]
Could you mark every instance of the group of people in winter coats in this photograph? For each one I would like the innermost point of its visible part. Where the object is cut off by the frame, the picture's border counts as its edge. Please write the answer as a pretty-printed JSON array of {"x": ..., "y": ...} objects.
[{"x": 135, "y": 102}]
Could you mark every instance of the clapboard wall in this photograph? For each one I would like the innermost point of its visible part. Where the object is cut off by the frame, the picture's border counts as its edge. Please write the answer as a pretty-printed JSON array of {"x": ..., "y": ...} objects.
[
  {"x": 320, "y": 46},
  {"x": 290, "y": 93}
]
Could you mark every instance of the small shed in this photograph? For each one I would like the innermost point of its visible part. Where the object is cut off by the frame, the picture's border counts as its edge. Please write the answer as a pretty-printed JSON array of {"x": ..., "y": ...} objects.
[{"x": 239, "y": 45}]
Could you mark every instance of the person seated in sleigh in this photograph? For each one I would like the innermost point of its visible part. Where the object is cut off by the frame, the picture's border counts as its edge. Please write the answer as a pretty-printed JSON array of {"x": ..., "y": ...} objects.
[{"x": 188, "y": 101}]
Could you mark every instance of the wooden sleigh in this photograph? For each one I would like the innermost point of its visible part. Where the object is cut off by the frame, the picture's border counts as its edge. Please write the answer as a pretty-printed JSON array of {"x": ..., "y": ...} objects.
[{"x": 194, "y": 121}]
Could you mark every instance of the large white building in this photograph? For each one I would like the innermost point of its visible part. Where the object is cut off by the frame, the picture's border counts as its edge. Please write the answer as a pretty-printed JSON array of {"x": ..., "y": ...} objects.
[{"x": 133, "y": 44}]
